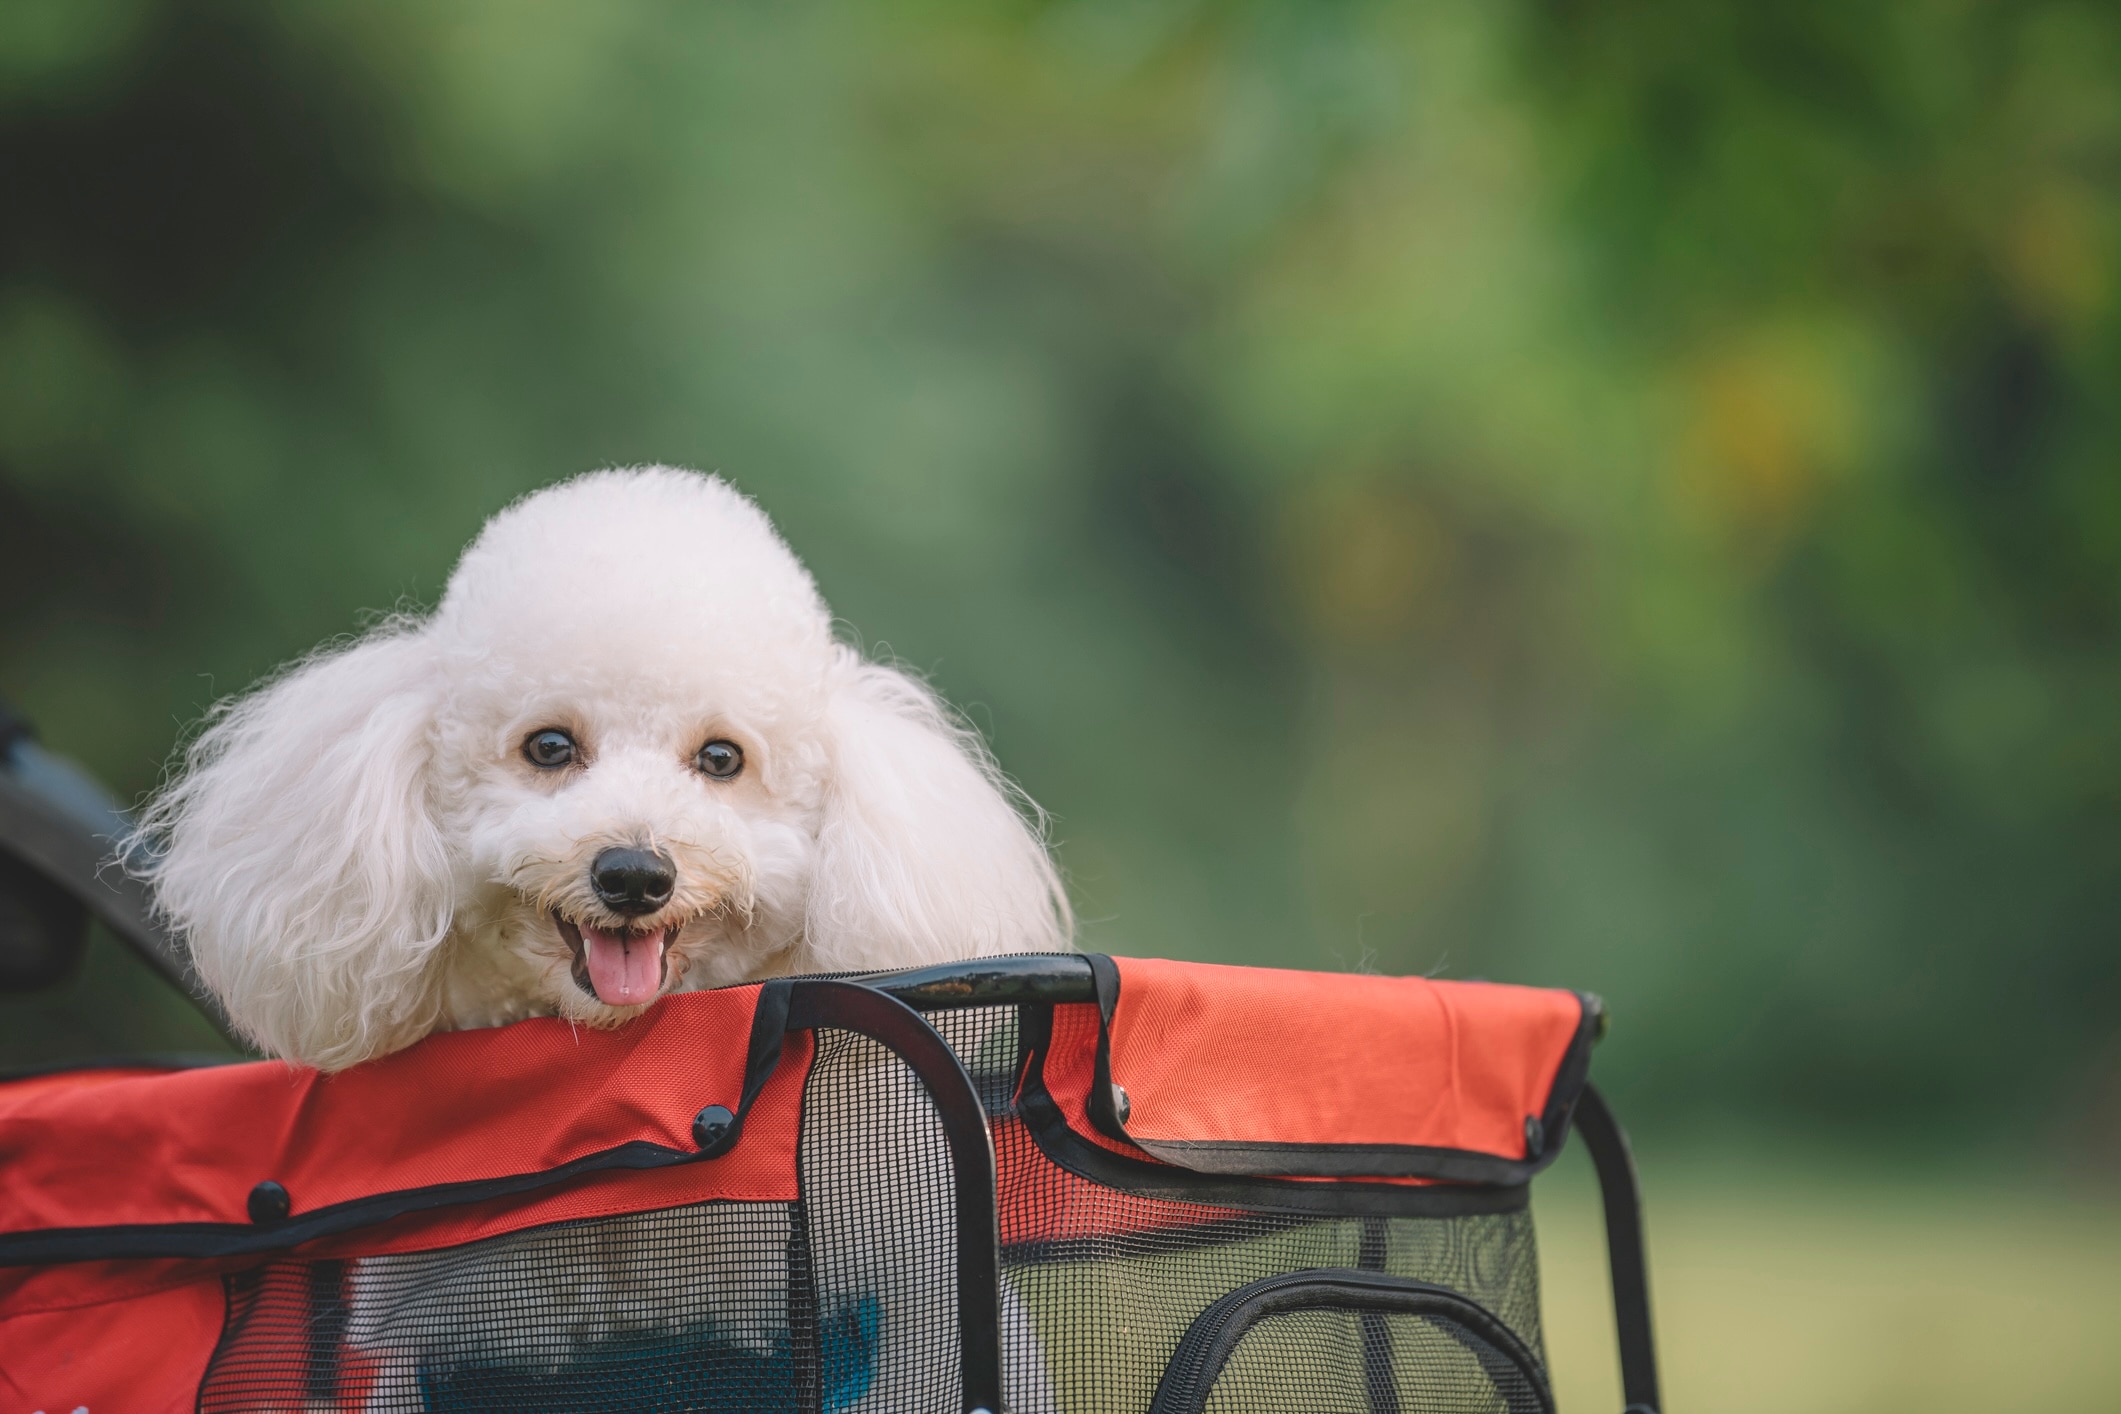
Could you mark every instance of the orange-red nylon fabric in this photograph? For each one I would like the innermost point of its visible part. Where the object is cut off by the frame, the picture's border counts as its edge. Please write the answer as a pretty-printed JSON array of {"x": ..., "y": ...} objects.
[
  {"x": 1255, "y": 1055},
  {"x": 1041, "y": 1202},
  {"x": 111, "y": 1148},
  {"x": 139, "y": 1352}
]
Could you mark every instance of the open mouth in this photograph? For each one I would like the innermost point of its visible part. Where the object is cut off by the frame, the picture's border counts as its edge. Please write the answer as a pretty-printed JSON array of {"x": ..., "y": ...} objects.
[{"x": 617, "y": 966}]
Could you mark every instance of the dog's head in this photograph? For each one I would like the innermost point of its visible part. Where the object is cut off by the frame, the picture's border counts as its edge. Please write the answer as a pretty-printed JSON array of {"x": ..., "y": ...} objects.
[{"x": 625, "y": 756}]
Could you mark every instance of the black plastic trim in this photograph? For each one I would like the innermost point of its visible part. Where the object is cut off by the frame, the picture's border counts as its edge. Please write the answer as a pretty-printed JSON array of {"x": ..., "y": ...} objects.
[
  {"x": 1215, "y": 1334},
  {"x": 1049, "y": 1130},
  {"x": 1340, "y": 1160},
  {"x": 83, "y": 1244},
  {"x": 1102, "y": 1105},
  {"x": 851, "y": 1006},
  {"x": 989, "y": 981},
  {"x": 1379, "y": 1388},
  {"x": 1625, "y": 1250},
  {"x": 1146, "y": 1242}
]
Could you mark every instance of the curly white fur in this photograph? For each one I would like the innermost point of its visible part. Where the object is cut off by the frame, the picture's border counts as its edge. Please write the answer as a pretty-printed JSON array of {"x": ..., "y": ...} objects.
[{"x": 359, "y": 853}]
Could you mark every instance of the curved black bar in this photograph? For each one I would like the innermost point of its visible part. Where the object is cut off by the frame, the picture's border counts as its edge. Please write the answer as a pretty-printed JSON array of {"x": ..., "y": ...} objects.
[
  {"x": 991, "y": 981},
  {"x": 852, "y": 1006},
  {"x": 1625, "y": 1253},
  {"x": 1214, "y": 1336},
  {"x": 218, "y": 1239}
]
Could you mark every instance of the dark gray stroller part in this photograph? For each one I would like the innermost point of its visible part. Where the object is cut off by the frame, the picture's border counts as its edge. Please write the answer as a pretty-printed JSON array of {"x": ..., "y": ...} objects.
[{"x": 60, "y": 833}]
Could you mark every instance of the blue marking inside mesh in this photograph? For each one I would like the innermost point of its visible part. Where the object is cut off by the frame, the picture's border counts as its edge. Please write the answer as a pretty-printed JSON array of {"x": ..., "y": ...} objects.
[{"x": 670, "y": 1372}]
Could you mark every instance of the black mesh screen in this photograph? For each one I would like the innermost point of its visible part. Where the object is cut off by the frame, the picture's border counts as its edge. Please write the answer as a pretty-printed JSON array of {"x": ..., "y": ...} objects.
[
  {"x": 882, "y": 1229},
  {"x": 846, "y": 1300},
  {"x": 684, "y": 1309}
]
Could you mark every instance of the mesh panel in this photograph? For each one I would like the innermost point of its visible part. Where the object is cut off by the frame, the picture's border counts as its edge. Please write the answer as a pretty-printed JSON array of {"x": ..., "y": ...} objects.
[
  {"x": 653, "y": 1311},
  {"x": 882, "y": 1231},
  {"x": 847, "y": 1299},
  {"x": 1338, "y": 1362}
]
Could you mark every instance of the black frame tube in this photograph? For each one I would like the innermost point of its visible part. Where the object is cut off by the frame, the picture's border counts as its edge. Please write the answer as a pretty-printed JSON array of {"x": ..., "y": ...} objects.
[
  {"x": 85, "y": 866},
  {"x": 851, "y": 1006},
  {"x": 1625, "y": 1251},
  {"x": 1025, "y": 979}
]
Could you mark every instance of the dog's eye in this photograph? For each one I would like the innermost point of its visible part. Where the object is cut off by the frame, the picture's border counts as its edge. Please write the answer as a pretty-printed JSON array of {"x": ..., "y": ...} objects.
[
  {"x": 548, "y": 749},
  {"x": 720, "y": 759}
]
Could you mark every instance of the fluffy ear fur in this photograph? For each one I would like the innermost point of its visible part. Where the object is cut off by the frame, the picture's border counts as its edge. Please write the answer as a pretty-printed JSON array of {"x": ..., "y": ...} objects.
[
  {"x": 297, "y": 855},
  {"x": 922, "y": 856}
]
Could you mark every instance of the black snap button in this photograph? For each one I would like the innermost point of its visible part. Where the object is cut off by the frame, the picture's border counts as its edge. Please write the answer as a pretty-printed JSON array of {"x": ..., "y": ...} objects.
[
  {"x": 269, "y": 1202},
  {"x": 1121, "y": 1105},
  {"x": 714, "y": 1130},
  {"x": 1535, "y": 1137}
]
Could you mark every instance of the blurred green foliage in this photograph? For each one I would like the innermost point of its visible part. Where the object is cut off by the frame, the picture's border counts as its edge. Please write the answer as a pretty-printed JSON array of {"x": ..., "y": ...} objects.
[{"x": 1620, "y": 494}]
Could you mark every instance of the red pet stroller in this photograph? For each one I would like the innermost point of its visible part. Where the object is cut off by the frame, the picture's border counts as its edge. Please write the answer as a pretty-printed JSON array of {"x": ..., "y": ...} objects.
[{"x": 1039, "y": 1184}]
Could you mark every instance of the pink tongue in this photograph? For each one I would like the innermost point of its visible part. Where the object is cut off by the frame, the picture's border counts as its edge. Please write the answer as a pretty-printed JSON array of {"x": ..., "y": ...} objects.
[{"x": 625, "y": 968}]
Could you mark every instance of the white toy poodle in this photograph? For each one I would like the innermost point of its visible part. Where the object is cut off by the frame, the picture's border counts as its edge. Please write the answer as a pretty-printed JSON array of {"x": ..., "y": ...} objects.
[{"x": 624, "y": 757}]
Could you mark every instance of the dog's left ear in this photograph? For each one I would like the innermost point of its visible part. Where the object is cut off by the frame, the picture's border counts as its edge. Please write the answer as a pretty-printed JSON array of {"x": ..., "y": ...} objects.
[{"x": 923, "y": 854}]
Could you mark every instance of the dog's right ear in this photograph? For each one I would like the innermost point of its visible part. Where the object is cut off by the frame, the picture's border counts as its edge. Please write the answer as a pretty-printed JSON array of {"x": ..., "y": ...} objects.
[
  {"x": 922, "y": 854},
  {"x": 297, "y": 854}
]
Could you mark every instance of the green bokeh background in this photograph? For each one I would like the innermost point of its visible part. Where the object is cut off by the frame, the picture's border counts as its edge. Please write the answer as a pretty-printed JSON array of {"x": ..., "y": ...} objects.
[
  {"x": 1614, "y": 496},
  {"x": 1620, "y": 495}
]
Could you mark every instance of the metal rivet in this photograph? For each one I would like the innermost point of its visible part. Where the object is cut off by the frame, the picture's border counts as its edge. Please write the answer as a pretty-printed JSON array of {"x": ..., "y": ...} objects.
[
  {"x": 1121, "y": 1105},
  {"x": 1535, "y": 1137},
  {"x": 714, "y": 1130},
  {"x": 269, "y": 1203}
]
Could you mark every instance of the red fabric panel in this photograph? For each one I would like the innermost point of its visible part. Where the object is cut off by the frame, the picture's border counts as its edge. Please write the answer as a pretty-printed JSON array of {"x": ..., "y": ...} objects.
[
  {"x": 189, "y": 1146},
  {"x": 1042, "y": 1202},
  {"x": 760, "y": 1168},
  {"x": 1071, "y": 1069},
  {"x": 1263, "y": 1056},
  {"x": 143, "y": 1352},
  {"x": 1257, "y": 1055},
  {"x": 66, "y": 1285}
]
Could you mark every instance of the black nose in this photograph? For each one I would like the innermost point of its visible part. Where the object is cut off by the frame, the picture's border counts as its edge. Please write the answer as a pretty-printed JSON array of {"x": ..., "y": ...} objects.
[{"x": 633, "y": 881}]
